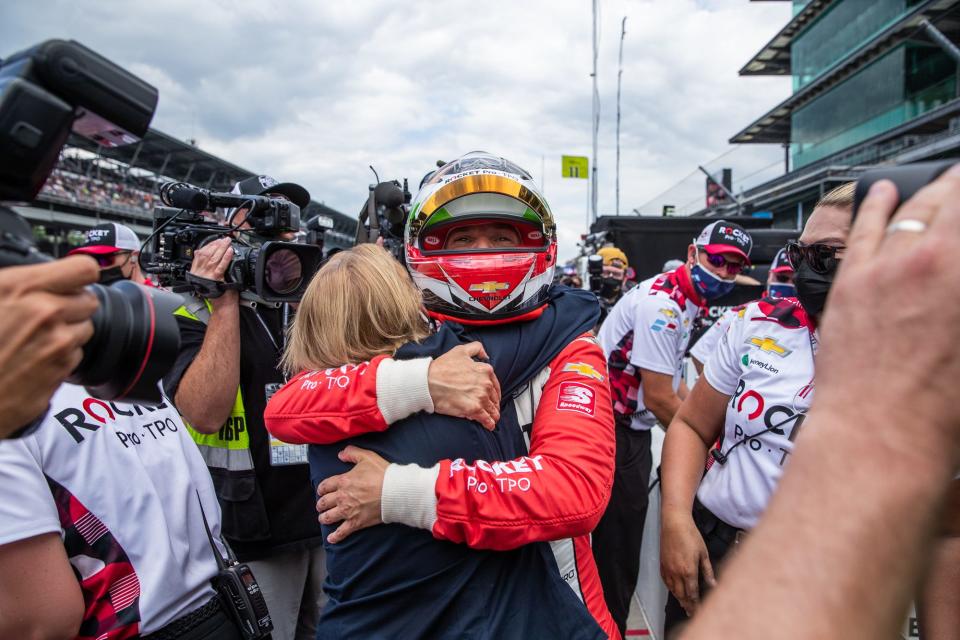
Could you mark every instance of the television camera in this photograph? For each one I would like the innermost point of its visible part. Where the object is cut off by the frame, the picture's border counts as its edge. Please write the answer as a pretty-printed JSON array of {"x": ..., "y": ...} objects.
[
  {"x": 263, "y": 264},
  {"x": 384, "y": 214}
]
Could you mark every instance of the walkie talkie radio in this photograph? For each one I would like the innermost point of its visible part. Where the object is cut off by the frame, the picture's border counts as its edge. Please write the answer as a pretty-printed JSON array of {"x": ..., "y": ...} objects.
[{"x": 239, "y": 592}]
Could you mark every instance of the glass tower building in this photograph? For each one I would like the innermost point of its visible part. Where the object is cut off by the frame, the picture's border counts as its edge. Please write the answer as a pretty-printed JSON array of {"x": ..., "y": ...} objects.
[{"x": 873, "y": 81}]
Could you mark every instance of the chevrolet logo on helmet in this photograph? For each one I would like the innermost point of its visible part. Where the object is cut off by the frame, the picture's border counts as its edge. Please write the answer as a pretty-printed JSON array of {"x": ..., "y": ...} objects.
[{"x": 489, "y": 287}]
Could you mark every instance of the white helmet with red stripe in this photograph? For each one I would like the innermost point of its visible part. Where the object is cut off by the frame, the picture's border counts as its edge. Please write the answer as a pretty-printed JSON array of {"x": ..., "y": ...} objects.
[{"x": 505, "y": 281}]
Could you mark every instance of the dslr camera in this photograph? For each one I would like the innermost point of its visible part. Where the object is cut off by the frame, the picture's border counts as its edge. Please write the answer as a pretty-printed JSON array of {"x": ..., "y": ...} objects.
[
  {"x": 263, "y": 266},
  {"x": 46, "y": 92}
]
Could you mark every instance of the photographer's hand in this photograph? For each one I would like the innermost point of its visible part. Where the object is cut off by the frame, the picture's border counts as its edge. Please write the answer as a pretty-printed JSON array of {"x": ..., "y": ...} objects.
[
  {"x": 44, "y": 321},
  {"x": 211, "y": 262}
]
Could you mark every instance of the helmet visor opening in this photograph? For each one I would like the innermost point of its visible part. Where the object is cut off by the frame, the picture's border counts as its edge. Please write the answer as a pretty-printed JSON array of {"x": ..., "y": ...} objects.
[{"x": 483, "y": 233}]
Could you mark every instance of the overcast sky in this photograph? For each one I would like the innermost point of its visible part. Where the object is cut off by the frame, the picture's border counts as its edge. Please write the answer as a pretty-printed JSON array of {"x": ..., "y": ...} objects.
[{"x": 314, "y": 91}]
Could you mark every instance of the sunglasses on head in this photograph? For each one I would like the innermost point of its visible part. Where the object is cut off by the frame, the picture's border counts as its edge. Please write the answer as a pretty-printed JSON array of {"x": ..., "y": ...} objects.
[
  {"x": 822, "y": 258},
  {"x": 718, "y": 260}
]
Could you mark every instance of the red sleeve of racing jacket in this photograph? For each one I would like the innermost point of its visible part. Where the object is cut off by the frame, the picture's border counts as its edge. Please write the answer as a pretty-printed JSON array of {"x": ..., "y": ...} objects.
[
  {"x": 562, "y": 487},
  {"x": 322, "y": 407}
]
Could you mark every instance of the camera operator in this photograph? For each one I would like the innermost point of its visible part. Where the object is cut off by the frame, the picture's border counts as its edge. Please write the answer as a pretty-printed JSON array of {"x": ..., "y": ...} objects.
[
  {"x": 116, "y": 249},
  {"x": 645, "y": 338},
  {"x": 606, "y": 275},
  {"x": 227, "y": 368},
  {"x": 103, "y": 502},
  {"x": 44, "y": 321},
  {"x": 613, "y": 277}
]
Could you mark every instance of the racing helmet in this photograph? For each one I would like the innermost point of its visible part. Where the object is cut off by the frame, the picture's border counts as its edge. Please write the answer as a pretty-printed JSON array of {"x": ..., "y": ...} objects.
[{"x": 492, "y": 284}]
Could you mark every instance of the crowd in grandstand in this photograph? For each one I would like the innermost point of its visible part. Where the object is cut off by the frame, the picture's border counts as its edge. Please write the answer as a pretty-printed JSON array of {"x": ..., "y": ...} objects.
[{"x": 96, "y": 192}]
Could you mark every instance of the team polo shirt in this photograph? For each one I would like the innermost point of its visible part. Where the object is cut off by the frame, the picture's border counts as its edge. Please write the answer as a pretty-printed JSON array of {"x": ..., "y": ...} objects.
[
  {"x": 765, "y": 363},
  {"x": 703, "y": 347},
  {"x": 648, "y": 328},
  {"x": 122, "y": 485}
]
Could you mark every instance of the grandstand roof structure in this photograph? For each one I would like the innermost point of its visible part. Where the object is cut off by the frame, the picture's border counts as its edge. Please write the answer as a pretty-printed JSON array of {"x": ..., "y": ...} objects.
[
  {"x": 167, "y": 156},
  {"x": 774, "y": 58},
  {"x": 163, "y": 157}
]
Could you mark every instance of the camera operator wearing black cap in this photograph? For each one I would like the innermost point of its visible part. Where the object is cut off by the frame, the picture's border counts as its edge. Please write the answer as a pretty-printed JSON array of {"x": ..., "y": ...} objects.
[{"x": 227, "y": 369}]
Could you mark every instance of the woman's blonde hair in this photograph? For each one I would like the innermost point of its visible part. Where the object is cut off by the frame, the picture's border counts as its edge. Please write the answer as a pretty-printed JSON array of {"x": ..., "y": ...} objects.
[{"x": 360, "y": 304}]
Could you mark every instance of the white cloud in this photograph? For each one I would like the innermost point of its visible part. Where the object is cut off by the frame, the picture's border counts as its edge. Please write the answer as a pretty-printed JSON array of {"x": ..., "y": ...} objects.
[{"x": 316, "y": 91}]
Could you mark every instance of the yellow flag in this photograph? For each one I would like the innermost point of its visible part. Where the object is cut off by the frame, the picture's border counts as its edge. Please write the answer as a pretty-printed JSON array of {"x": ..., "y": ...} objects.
[{"x": 575, "y": 166}]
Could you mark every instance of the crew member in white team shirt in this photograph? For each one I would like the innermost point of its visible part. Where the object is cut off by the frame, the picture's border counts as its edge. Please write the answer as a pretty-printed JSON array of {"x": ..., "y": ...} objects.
[
  {"x": 757, "y": 385},
  {"x": 779, "y": 285},
  {"x": 101, "y": 529},
  {"x": 645, "y": 337}
]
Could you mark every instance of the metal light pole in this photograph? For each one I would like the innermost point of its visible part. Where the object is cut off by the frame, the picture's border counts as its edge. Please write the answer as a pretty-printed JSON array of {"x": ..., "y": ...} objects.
[
  {"x": 596, "y": 121},
  {"x": 623, "y": 32}
]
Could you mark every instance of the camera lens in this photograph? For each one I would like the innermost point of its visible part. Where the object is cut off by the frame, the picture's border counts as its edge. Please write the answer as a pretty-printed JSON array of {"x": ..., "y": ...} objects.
[
  {"x": 135, "y": 342},
  {"x": 283, "y": 272}
]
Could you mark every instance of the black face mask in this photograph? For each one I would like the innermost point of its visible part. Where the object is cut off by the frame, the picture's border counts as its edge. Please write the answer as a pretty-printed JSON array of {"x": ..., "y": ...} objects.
[
  {"x": 611, "y": 288},
  {"x": 812, "y": 288},
  {"x": 111, "y": 275}
]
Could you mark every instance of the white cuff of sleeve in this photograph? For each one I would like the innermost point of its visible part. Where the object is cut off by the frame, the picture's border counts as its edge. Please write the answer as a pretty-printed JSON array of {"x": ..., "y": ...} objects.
[
  {"x": 409, "y": 495},
  {"x": 403, "y": 388}
]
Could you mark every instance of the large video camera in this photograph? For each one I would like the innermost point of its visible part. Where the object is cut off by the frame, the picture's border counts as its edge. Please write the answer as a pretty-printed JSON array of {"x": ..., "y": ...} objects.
[
  {"x": 273, "y": 271},
  {"x": 45, "y": 92},
  {"x": 384, "y": 214}
]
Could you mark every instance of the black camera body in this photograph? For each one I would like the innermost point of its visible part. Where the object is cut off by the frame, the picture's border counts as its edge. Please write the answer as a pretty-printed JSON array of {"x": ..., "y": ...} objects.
[
  {"x": 55, "y": 87},
  {"x": 595, "y": 273},
  {"x": 274, "y": 271},
  {"x": 908, "y": 178},
  {"x": 45, "y": 92}
]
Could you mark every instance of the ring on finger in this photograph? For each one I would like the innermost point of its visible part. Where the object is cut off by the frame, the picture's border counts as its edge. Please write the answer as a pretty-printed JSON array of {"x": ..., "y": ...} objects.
[{"x": 910, "y": 225}]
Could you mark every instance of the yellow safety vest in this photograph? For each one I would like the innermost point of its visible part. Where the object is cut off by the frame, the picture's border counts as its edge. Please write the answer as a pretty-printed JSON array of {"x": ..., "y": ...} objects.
[{"x": 228, "y": 448}]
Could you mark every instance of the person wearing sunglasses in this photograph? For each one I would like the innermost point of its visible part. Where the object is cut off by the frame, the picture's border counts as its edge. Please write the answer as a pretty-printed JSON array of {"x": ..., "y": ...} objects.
[
  {"x": 779, "y": 285},
  {"x": 116, "y": 249},
  {"x": 756, "y": 387},
  {"x": 645, "y": 338}
]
